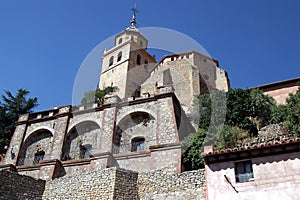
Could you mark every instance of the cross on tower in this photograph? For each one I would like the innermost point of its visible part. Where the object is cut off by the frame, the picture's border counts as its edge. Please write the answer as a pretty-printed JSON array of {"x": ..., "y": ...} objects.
[{"x": 133, "y": 20}]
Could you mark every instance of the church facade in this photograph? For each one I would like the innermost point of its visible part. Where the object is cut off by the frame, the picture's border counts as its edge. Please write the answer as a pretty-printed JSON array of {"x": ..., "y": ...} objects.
[{"x": 139, "y": 127}]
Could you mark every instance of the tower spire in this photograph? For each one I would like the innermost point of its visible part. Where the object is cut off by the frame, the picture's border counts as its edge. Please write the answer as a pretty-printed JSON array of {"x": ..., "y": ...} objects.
[{"x": 133, "y": 19}]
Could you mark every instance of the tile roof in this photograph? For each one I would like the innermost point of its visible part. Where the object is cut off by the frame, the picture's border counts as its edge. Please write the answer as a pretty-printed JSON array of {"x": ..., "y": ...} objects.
[{"x": 256, "y": 150}]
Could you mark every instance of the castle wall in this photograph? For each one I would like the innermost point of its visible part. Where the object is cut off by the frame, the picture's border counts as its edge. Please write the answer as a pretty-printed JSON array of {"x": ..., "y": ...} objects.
[
  {"x": 111, "y": 183},
  {"x": 63, "y": 142},
  {"x": 15, "y": 186},
  {"x": 117, "y": 183}
]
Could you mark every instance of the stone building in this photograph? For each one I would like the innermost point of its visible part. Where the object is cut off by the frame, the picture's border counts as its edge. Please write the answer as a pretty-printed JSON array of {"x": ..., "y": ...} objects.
[{"x": 138, "y": 128}]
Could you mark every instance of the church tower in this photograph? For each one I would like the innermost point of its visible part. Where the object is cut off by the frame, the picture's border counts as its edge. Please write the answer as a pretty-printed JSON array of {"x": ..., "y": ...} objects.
[{"x": 126, "y": 65}]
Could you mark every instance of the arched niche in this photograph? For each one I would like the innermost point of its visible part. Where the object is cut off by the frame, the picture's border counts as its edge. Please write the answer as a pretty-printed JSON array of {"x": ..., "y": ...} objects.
[
  {"x": 81, "y": 141},
  {"x": 134, "y": 125},
  {"x": 36, "y": 148}
]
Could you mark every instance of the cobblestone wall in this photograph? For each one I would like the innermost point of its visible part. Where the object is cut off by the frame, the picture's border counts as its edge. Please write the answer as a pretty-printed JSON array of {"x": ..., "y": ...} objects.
[
  {"x": 111, "y": 183},
  {"x": 160, "y": 185},
  {"x": 15, "y": 186},
  {"x": 97, "y": 184}
]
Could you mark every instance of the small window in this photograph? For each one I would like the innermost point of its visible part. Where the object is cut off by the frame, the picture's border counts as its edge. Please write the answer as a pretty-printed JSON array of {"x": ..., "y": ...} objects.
[
  {"x": 187, "y": 56},
  {"x": 138, "y": 59},
  {"x": 83, "y": 153},
  {"x": 243, "y": 171},
  {"x": 141, "y": 43},
  {"x": 137, "y": 144},
  {"x": 146, "y": 62},
  {"x": 120, "y": 40},
  {"x": 38, "y": 156},
  {"x": 119, "y": 56},
  {"x": 111, "y": 61}
]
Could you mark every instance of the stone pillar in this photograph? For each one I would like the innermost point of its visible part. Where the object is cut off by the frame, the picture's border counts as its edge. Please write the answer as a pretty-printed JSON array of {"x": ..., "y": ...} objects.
[
  {"x": 166, "y": 158},
  {"x": 108, "y": 123},
  {"x": 50, "y": 169},
  {"x": 61, "y": 125},
  {"x": 101, "y": 161},
  {"x": 13, "y": 151},
  {"x": 166, "y": 123}
]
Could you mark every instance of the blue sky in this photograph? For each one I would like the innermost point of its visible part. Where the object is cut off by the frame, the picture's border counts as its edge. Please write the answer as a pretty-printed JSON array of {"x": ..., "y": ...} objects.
[{"x": 43, "y": 43}]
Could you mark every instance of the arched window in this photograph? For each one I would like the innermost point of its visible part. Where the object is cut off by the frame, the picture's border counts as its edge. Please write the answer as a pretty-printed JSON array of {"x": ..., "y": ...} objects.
[
  {"x": 138, "y": 144},
  {"x": 141, "y": 43},
  {"x": 119, "y": 56},
  {"x": 120, "y": 40},
  {"x": 111, "y": 61},
  {"x": 138, "y": 59}
]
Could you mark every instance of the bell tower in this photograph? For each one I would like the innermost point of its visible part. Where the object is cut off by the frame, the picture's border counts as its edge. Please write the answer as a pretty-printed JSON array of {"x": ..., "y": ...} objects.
[{"x": 126, "y": 64}]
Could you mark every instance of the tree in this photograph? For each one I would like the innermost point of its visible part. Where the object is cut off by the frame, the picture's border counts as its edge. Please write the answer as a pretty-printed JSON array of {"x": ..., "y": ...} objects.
[
  {"x": 10, "y": 110},
  {"x": 292, "y": 121},
  {"x": 246, "y": 110},
  {"x": 192, "y": 146},
  {"x": 97, "y": 96}
]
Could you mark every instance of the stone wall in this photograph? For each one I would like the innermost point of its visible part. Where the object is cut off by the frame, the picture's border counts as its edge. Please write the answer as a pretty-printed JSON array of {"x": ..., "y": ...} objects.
[
  {"x": 97, "y": 184},
  {"x": 111, "y": 183},
  {"x": 15, "y": 186},
  {"x": 160, "y": 185}
]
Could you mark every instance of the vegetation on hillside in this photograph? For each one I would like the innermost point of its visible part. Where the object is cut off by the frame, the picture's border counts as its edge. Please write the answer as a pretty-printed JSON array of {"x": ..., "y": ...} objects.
[
  {"x": 246, "y": 112},
  {"x": 97, "y": 96},
  {"x": 10, "y": 108}
]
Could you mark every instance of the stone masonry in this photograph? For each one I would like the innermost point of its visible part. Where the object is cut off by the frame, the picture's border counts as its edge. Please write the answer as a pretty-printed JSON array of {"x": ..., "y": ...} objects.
[{"x": 111, "y": 183}]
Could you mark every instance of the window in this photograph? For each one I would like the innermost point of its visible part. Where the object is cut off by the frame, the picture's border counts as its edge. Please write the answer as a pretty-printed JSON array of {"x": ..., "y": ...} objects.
[
  {"x": 38, "y": 156},
  {"x": 83, "y": 153},
  {"x": 137, "y": 144},
  {"x": 243, "y": 171},
  {"x": 120, "y": 40},
  {"x": 146, "y": 62},
  {"x": 141, "y": 43},
  {"x": 111, "y": 61},
  {"x": 119, "y": 56},
  {"x": 138, "y": 59}
]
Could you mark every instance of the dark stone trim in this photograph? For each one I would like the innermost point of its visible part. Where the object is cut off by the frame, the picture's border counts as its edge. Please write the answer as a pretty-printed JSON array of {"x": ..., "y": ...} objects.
[
  {"x": 161, "y": 147},
  {"x": 8, "y": 167},
  {"x": 135, "y": 154}
]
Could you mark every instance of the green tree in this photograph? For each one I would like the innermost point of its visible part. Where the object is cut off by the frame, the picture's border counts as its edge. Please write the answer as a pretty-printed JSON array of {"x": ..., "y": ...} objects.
[
  {"x": 278, "y": 113},
  {"x": 10, "y": 110},
  {"x": 292, "y": 121},
  {"x": 192, "y": 146},
  {"x": 97, "y": 96},
  {"x": 246, "y": 110}
]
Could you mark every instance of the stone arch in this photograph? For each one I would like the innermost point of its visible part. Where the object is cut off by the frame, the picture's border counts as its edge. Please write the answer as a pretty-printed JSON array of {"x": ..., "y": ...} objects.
[
  {"x": 135, "y": 110},
  {"x": 36, "y": 147},
  {"x": 37, "y": 129},
  {"x": 134, "y": 125},
  {"x": 81, "y": 141}
]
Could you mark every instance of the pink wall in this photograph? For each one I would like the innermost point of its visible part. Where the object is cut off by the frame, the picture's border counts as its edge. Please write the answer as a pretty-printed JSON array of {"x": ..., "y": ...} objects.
[
  {"x": 280, "y": 95},
  {"x": 275, "y": 177}
]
